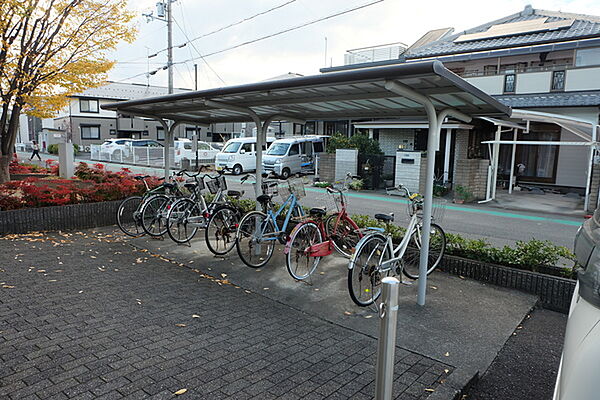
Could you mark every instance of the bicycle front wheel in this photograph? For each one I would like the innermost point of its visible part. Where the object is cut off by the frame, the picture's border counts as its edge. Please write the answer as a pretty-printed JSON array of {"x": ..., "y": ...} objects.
[
  {"x": 365, "y": 272},
  {"x": 255, "y": 239},
  {"x": 344, "y": 233},
  {"x": 220, "y": 230},
  {"x": 183, "y": 220},
  {"x": 412, "y": 256},
  {"x": 300, "y": 263},
  {"x": 154, "y": 215},
  {"x": 129, "y": 216}
]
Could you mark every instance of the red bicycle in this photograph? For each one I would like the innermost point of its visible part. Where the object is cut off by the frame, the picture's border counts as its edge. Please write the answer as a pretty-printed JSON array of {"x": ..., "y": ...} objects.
[{"x": 319, "y": 235}]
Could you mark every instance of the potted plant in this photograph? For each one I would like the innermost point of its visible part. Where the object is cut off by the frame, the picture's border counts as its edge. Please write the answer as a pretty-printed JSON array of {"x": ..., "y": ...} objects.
[
  {"x": 462, "y": 194},
  {"x": 356, "y": 184}
]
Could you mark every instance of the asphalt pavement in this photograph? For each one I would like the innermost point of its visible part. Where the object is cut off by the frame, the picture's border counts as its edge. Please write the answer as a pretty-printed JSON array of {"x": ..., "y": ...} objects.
[
  {"x": 499, "y": 227},
  {"x": 527, "y": 366}
]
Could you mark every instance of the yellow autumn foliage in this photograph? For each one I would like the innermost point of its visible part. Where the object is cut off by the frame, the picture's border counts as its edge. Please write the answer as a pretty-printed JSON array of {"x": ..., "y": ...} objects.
[{"x": 52, "y": 49}]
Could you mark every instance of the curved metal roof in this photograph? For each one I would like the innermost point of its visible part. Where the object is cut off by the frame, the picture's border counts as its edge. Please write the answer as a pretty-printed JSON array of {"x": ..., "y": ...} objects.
[{"x": 347, "y": 94}]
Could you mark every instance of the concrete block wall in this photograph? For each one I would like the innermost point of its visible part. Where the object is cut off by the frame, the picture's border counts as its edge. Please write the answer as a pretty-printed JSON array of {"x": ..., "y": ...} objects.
[
  {"x": 461, "y": 148},
  {"x": 409, "y": 172},
  {"x": 346, "y": 160},
  {"x": 472, "y": 174},
  {"x": 326, "y": 167},
  {"x": 594, "y": 187},
  {"x": 390, "y": 139}
]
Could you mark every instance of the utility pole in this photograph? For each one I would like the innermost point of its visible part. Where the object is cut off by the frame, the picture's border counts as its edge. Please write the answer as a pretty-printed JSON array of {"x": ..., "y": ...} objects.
[
  {"x": 195, "y": 76},
  {"x": 170, "y": 44}
]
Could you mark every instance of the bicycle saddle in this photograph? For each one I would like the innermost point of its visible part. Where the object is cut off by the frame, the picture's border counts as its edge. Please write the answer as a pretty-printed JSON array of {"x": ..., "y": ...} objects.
[
  {"x": 234, "y": 193},
  {"x": 139, "y": 178},
  {"x": 169, "y": 185},
  {"x": 190, "y": 185},
  {"x": 384, "y": 217},
  {"x": 263, "y": 198},
  {"x": 317, "y": 211}
]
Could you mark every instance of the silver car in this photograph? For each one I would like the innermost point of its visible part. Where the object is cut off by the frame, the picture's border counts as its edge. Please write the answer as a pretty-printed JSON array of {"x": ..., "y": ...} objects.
[{"x": 579, "y": 371}]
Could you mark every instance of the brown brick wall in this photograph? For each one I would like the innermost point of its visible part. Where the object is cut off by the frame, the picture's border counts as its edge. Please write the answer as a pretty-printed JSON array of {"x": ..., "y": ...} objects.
[
  {"x": 326, "y": 167},
  {"x": 472, "y": 174}
]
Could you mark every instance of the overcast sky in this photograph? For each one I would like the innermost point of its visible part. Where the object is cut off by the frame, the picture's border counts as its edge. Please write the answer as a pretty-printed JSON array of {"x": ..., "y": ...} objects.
[{"x": 303, "y": 50}]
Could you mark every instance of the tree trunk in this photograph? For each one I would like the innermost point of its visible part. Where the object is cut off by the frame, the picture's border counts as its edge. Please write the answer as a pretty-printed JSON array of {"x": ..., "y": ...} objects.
[{"x": 4, "y": 163}]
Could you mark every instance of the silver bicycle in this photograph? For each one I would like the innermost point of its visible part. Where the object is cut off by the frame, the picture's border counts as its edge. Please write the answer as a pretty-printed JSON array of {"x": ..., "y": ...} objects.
[{"x": 377, "y": 256}]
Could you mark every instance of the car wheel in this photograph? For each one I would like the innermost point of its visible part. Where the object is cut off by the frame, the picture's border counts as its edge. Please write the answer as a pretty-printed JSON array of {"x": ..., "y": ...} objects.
[
  {"x": 237, "y": 169},
  {"x": 285, "y": 173}
]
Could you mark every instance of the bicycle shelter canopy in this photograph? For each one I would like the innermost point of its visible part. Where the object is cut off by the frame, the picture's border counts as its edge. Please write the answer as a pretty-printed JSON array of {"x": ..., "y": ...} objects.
[{"x": 413, "y": 90}]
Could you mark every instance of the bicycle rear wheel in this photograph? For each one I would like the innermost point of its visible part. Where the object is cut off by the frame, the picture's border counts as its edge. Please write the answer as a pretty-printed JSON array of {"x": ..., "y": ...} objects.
[
  {"x": 345, "y": 236},
  {"x": 129, "y": 216},
  {"x": 412, "y": 256},
  {"x": 220, "y": 230},
  {"x": 154, "y": 215},
  {"x": 255, "y": 239},
  {"x": 365, "y": 274},
  {"x": 183, "y": 220},
  {"x": 299, "y": 263}
]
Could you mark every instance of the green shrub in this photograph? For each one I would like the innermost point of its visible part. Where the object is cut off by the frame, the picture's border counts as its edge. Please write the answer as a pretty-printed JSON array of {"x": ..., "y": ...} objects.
[
  {"x": 53, "y": 148},
  {"x": 360, "y": 141},
  {"x": 323, "y": 184},
  {"x": 463, "y": 193},
  {"x": 356, "y": 184}
]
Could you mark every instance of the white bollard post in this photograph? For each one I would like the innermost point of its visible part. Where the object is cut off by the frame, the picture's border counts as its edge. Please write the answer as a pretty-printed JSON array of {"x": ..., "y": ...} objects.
[
  {"x": 65, "y": 160},
  {"x": 386, "y": 346}
]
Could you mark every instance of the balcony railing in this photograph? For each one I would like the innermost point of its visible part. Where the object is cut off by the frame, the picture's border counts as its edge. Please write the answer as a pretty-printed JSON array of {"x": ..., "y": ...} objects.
[{"x": 478, "y": 72}]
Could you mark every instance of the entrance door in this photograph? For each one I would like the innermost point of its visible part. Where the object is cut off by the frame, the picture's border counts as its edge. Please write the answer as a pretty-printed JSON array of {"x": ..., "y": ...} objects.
[{"x": 540, "y": 161}]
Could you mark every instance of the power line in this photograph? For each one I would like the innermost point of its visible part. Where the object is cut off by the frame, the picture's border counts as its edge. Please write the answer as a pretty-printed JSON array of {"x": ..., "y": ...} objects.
[
  {"x": 285, "y": 30},
  {"x": 199, "y": 54},
  {"x": 228, "y": 26}
]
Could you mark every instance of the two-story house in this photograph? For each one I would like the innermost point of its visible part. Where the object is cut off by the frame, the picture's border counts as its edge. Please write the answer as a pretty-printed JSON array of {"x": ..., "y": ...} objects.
[{"x": 545, "y": 61}]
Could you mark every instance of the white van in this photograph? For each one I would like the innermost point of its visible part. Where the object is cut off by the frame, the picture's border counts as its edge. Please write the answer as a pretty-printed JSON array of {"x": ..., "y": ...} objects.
[
  {"x": 293, "y": 155},
  {"x": 239, "y": 155},
  {"x": 184, "y": 151}
]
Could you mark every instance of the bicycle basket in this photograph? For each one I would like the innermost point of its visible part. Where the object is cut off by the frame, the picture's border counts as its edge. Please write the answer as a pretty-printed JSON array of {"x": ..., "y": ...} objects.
[
  {"x": 269, "y": 187},
  {"x": 216, "y": 184},
  {"x": 295, "y": 186}
]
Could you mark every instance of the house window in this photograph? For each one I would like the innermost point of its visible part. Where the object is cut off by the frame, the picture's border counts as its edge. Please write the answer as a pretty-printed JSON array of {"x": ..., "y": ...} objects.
[
  {"x": 558, "y": 80},
  {"x": 88, "y": 105},
  {"x": 587, "y": 57},
  {"x": 509, "y": 83},
  {"x": 90, "y": 131},
  {"x": 160, "y": 133},
  {"x": 189, "y": 132}
]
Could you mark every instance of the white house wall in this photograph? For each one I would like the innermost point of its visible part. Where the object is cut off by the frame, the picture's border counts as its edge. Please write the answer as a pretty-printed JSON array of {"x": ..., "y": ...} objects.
[
  {"x": 491, "y": 85},
  {"x": 533, "y": 82},
  {"x": 582, "y": 79}
]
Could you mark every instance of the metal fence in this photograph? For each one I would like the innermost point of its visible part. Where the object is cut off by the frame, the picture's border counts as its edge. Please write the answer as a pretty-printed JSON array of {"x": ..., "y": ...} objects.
[{"x": 143, "y": 156}]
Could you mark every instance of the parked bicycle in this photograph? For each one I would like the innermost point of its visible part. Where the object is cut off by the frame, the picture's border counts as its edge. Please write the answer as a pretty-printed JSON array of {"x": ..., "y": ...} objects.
[
  {"x": 376, "y": 255},
  {"x": 129, "y": 213},
  {"x": 259, "y": 231},
  {"x": 219, "y": 217},
  {"x": 318, "y": 235}
]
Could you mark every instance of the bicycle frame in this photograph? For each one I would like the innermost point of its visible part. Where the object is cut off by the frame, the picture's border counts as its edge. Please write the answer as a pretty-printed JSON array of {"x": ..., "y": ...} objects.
[
  {"x": 398, "y": 251},
  {"x": 292, "y": 202}
]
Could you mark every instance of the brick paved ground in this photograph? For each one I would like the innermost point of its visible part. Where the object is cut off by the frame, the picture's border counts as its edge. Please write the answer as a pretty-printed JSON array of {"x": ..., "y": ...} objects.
[{"x": 83, "y": 315}]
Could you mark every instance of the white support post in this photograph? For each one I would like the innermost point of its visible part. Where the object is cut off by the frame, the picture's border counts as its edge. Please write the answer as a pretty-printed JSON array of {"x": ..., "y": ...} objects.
[
  {"x": 586, "y": 204},
  {"x": 512, "y": 162},
  {"x": 495, "y": 156},
  {"x": 435, "y": 125},
  {"x": 147, "y": 155},
  {"x": 447, "y": 155}
]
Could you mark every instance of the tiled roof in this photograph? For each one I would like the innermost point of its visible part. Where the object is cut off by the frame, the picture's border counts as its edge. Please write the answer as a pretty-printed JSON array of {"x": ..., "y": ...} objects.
[
  {"x": 558, "y": 99},
  {"x": 584, "y": 26},
  {"x": 126, "y": 91}
]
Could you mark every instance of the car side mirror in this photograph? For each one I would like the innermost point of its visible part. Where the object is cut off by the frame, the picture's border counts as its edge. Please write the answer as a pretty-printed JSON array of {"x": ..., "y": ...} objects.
[{"x": 242, "y": 151}]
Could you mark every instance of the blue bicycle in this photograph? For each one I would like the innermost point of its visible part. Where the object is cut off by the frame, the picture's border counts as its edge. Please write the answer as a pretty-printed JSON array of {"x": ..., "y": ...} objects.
[{"x": 259, "y": 231}]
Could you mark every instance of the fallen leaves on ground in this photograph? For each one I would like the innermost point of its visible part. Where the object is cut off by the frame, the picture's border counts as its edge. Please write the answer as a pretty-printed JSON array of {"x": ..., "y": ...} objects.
[
  {"x": 180, "y": 392},
  {"x": 195, "y": 316},
  {"x": 181, "y": 325}
]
